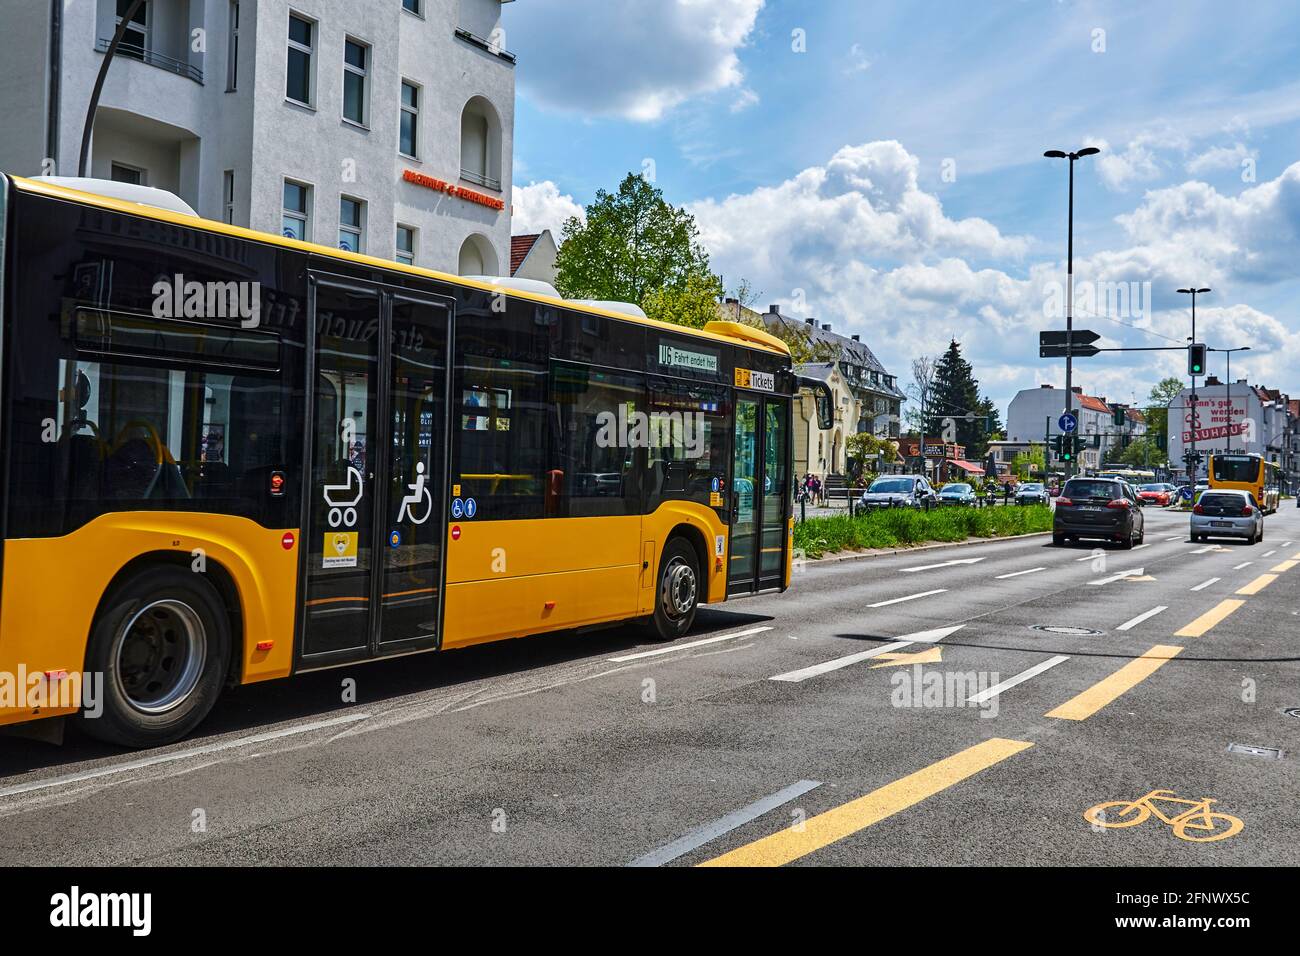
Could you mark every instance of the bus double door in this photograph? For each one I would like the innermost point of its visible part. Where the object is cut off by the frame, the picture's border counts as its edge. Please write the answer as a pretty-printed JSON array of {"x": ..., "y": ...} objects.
[
  {"x": 760, "y": 494},
  {"x": 374, "y": 516}
]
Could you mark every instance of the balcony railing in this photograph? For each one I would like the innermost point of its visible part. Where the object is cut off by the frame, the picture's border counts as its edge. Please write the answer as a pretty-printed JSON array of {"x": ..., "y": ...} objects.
[
  {"x": 481, "y": 180},
  {"x": 153, "y": 58}
]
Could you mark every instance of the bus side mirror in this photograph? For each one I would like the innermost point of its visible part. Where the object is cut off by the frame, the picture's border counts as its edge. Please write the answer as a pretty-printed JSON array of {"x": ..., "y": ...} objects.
[{"x": 823, "y": 399}]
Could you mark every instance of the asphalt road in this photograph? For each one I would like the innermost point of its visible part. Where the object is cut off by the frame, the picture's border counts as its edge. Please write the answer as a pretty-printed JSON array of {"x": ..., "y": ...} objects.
[{"x": 780, "y": 731}]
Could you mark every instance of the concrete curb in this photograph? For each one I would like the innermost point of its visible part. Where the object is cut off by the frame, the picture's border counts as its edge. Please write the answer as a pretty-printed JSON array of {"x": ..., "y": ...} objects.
[{"x": 858, "y": 555}]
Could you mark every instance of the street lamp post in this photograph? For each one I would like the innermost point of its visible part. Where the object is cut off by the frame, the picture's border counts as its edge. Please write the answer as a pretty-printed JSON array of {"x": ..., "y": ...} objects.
[
  {"x": 1196, "y": 415},
  {"x": 1069, "y": 287},
  {"x": 1228, "y": 353}
]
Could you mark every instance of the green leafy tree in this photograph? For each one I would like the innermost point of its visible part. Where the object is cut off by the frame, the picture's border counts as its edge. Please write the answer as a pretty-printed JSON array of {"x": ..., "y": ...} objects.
[
  {"x": 694, "y": 304},
  {"x": 1162, "y": 394},
  {"x": 863, "y": 447},
  {"x": 1026, "y": 464},
  {"x": 636, "y": 247}
]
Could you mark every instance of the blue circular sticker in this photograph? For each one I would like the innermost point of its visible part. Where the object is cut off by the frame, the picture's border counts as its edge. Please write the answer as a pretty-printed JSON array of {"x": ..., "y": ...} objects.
[
  {"x": 395, "y": 539},
  {"x": 471, "y": 507},
  {"x": 457, "y": 508}
]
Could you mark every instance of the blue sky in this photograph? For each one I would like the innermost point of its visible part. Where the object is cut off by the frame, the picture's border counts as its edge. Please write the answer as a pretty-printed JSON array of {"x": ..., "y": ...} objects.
[{"x": 887, "y": 177}]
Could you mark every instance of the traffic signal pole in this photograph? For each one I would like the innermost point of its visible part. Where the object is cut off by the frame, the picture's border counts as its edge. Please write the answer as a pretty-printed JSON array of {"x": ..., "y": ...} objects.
[{"x": 1069, "y": 313}]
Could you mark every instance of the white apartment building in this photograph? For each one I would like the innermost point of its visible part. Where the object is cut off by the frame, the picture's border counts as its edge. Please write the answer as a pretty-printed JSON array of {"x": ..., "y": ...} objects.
[
  {"x": 1034, "y": 413},
  {"x": 383, "y": 126}
]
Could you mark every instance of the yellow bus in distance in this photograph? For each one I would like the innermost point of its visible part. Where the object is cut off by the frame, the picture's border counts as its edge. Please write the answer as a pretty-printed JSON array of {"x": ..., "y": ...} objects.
[{"x": 1247, "y": 472}]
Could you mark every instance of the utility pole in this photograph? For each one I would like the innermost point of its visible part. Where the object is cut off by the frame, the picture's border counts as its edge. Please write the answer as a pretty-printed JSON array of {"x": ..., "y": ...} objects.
[
  {"x": 1192, "y": 465},
  {"x": 1069, "y": 287}
]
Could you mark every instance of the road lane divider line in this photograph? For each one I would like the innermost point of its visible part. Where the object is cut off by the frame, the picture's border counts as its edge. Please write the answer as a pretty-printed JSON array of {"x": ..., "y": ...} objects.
[
  {"x": 683, "y": 647},
  {"x": 1139, "y": 547},
  {"x": 1210, "y": 618},
  {"x": 1269, "y": 554},
  {"x": 1244, "y": 564},
  {"x": 944, "y": 564},
  {"x": 1296, "y": 556},
  {"x": 1205, "y": 584},
  {"x": 849, "y": 818},
  {"x": 1257, "y": 585},
  {"x": 178, "y": 755},
  {"x": 906, "y": 640},
  {"x": 1208, "y": 547},
  {"x": 1177, "y": 537},
  {"x": 1016, "y": 574},
  {"x": 910, "y": 597},
  {"x": 1284, "y": 566},
  {"x": 1085, "y": 704},
  {"x": 723, "y": 825},
  {"x": 1145, "y": 615},
  {"x": 1020, "y": 678}
]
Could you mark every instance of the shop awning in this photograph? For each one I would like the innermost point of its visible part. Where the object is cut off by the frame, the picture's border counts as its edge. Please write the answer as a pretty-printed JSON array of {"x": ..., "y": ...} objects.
[{"x": 967, "y": 466}]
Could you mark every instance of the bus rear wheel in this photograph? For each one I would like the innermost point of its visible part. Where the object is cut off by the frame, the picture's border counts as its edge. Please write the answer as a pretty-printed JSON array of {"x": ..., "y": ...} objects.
[
  {"x": 159, "y": 651},
  {"x": 677, "y": 593}
]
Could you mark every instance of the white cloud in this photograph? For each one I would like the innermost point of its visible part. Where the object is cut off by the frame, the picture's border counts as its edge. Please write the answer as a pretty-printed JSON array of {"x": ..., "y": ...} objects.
[
  {"x": 858, "y": 61},
  {"x": 744, "y": 100},
  {"x": 1136, "y": 163},
  {"x": 539, "y": 206},
  {"x": 1219, "y": 158},
  {"x": 649, "y": 56},
  {"x": 858, "y": 243}
]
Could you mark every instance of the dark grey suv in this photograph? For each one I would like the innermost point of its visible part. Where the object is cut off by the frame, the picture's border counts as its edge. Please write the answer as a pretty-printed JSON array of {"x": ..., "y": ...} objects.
[{"x": 1104, "y": 508}]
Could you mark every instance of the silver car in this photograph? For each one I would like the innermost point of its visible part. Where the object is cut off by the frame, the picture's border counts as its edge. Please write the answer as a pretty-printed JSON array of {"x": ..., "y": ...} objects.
[{"x": 1220, "y": 513}]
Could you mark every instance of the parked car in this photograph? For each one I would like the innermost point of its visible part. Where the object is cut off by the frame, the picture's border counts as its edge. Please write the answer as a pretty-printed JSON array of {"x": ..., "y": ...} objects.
[
  {"x": 1032, "y": 493},
  {"x": 1159, "y": 493},
  {"x": 899, "y": 491},
  {"x": 1227, "y": 514},
  {"x": 958, "y": 493},
  {"x": 1105, "y": 508}
]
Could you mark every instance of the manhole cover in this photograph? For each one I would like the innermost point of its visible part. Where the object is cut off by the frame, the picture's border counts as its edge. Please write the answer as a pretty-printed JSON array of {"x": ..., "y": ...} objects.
[
  {"x": 1066, "y": 629},
  {"x": 1292, "y": 711},
  {"x": 1268, "y": 753}
]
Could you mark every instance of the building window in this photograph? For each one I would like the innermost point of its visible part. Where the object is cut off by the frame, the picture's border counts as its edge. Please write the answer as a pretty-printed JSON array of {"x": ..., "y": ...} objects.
[
  {"x": 121, "y": 173},
  {"x": 232, "y": 49},
  {"x": 356, "y": 62},
  {"x": 351, "y": 213},
  {"x": 480, "y": 144},
  {"x": 135, "y": 39},
  {"x": 411, "y": 6},
  {"x": 296, "y": 223},
  {"x": 406, "y": 244},
  {"x": 409, "y": 139},
  {"x": 302, "y": 32},
  {"x": 228, "y": 196}
]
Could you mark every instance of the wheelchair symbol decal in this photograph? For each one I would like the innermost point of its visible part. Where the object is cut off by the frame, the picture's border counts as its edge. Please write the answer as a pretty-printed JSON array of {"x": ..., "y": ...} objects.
[
  {"x": 343, "y": 501},
  {"x": 419, "y": 493}
]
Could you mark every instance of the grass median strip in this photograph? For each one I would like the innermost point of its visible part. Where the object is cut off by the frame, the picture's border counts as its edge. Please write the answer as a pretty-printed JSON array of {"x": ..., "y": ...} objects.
[
  {"x": 900, "y": 527},
  {"x": 1084, "y": 705},
  {"x": 845, "y": 820}
]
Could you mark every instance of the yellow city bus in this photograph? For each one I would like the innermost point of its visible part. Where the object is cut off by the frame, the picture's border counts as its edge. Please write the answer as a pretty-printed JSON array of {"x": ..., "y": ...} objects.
[
  {"x": 1247, "y": 472},
  {"x": 472, "y": 461}
]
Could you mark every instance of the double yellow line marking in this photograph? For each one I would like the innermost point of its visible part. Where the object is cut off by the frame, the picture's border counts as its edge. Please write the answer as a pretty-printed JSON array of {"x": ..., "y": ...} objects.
[{"x": 847, "y": 819}]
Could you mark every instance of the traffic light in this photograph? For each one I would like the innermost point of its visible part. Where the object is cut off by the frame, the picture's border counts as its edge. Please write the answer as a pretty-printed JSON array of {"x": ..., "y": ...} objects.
[
  {"x": 1067, "y": 447},
  {"x": 1196, "y": 359},
  {"x": 1121, "y": 414}
]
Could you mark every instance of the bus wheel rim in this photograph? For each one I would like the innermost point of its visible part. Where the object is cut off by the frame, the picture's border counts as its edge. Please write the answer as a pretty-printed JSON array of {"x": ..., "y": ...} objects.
[
  {"x": 679, "y": 589},
  {"x": 160, "y": 656}
]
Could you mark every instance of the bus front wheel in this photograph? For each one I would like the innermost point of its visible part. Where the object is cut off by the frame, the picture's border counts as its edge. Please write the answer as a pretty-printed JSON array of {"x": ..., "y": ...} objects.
[
  {"x": 677, "y": 593},
  {"x": 158, "y": 651}
]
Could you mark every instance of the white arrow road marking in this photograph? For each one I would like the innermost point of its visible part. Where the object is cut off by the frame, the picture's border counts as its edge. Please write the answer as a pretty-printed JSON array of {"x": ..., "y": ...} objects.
[
  {"x": 1134, "y": 622},
  {"x": 910, "y": 597},
  {"x": 921, "y": 637},
  {"x": 945, "y": 564},
  {"x": 1211, "y": 547},
  {"x": 1018, "y": 679},
  {"x": 1131, "y": 572},
  {"x": 1205, "y": 584},
  {"x": 1016, "y": 574}
]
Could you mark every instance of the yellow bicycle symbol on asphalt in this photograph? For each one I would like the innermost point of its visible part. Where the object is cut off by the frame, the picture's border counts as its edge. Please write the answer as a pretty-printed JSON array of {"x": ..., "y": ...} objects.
[{"x": 1197, "y": 825}]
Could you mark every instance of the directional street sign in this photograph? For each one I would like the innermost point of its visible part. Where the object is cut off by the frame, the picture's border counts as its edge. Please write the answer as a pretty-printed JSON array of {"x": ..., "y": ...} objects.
[
  {"x": 1067, "y": 422},
  {"x": 1058, "y": 344}
]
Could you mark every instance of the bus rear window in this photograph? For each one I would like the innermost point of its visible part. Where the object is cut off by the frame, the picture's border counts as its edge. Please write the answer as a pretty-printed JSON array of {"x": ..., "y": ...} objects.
[{"x": 1236, "y": 468}]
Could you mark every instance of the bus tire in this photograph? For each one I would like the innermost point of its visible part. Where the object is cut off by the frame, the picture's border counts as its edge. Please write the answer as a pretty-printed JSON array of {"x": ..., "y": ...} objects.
[
  {"x": 159, "y": 648},
  {"x": 677, "y": 592}
]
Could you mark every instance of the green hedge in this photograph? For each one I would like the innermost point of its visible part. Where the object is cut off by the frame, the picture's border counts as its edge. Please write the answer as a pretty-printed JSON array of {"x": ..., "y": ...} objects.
[{"x": 895, "y": 527}]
